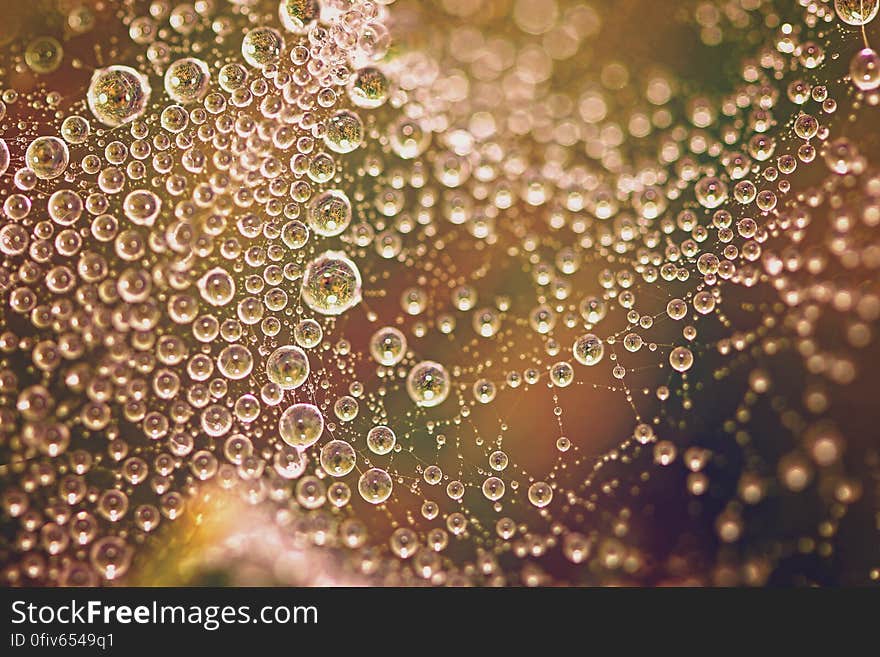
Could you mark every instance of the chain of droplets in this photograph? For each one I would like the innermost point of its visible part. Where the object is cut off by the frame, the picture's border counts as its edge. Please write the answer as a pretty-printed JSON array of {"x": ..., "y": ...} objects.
[{"x": 479, "y": 170}]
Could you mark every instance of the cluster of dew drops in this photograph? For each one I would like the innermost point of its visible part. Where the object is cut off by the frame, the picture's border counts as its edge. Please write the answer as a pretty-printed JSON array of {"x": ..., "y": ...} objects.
[{"x": 255, "y": 252}]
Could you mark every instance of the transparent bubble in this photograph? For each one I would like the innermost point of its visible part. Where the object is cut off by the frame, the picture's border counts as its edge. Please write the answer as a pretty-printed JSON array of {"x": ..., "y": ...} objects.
[
  {"x": 65, "y": 207},
  {"x": 576, "y": 547},
  {"x": 147, "y": 517},
  {"x": 346, "y": 408},
  {"x": 338, "y": 458},
  {"x": 864, "y": 69},
  {"x": 711, "y": 192},
  {"x": 493, "y": 488},
  {"x": 44, "y": 55},
  {"x": 561, "y": 374},
  {"x": 16, "y": 206},
  {"x": 262, "y": 46},
  {"x": 409, "y": 139},
  {"x": 540, "y": 494},
  {"x": 47, "y": 157},
  {"x": 486, "y": 322},
  {"x": 428, "y": 384},
  {"x": 75, "y": 129},
  {"x": 311, "y": 492},
  {"x": 237, "y": 447},
  {"x": 414, "y": 300},
  {"x": 295, "y": 234},
  {"x": 404, "y": 542},
  {"x": 368, "y": 88},
  {"x": 375, "y": 486},
  {"x": 142, "y": 207},
  {"x": 681, "y": 359},
  {"x": 235, "y": 362},
  {"x": 174, "y": 118},
  {"x": 301, "y": 425},
  {"x": 118, "y": 95},
  {"x": 542, "y": 319},
  {"x": 321, "y": 168},
  {"x": 232, "y": 77},
  {"x": 345, "y": 132},
  {"x": 217, "y": 287},
  {"x": 290, "y": 462},
  {"x": 806, "y": 126},
  {"x": 331, "y": 284},
  {"x": 329, "y": 213},
  {"x": 388, "y": 346},
  {"x": 339, "y": 494},
  {"x": 704, "y": 302},
  {"x": 588, "y": 349},
  {"x": 381, "y": 440},
  {"x": 308, "y": 333},
  {"x": 856, "y": 12},
  {"x": 484, "y": 391},
  {"x": 187, "y": 80},
  {"x": 287, "y": 367},
  {"x": 4, "y": 156},
  {"x": 593, "y": 309},
  {"x": 111, "y": 557},
  {"x": 298, "y": 16},
  {"x": 664, "y": 452},
  {"x": 498, "y": 460},
  {"x": 676, "y": 309}
]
